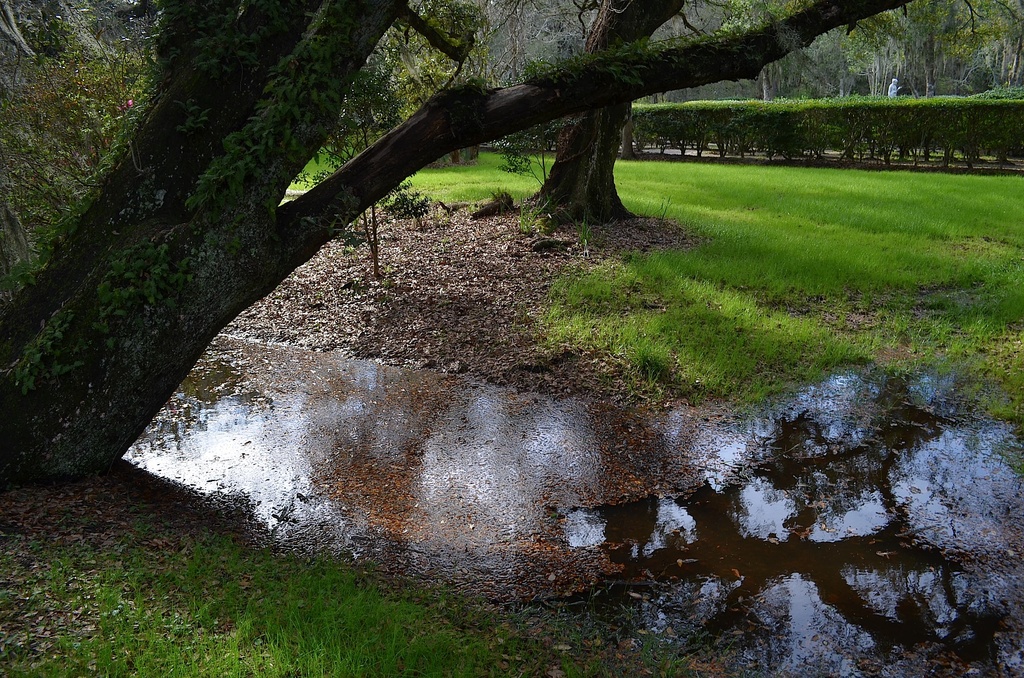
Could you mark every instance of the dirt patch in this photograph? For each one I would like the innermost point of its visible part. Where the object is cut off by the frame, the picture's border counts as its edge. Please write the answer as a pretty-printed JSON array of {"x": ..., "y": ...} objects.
[
  {"x": 98, "y": 510},
  {"x": 457, "y": 295}
]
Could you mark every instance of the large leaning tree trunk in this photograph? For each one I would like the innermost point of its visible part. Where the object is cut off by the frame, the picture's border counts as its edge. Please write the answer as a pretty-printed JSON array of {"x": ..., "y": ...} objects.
[
  {"x": 581, "y": 185},
  {"x": 186, "y": 230}
]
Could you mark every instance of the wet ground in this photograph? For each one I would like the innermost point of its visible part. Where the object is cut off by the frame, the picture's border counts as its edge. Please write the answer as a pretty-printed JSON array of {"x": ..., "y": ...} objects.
[{"x": 868, "y": 526}]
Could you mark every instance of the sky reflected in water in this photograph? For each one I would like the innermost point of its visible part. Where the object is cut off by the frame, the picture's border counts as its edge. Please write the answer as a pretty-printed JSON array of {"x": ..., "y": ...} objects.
[{"x": 840, "y": 532}]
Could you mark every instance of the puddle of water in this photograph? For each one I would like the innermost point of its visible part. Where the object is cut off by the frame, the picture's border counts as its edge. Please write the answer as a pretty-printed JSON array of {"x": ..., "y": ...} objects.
[
  {"x": 434, "y": 475},
  {"x": 842, "y": 545},
  {"x": 858, "y": 529}
]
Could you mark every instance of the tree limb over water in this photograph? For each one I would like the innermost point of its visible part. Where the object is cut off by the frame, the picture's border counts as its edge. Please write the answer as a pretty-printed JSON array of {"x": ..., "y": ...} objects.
[{"x": 185, "y": 230}]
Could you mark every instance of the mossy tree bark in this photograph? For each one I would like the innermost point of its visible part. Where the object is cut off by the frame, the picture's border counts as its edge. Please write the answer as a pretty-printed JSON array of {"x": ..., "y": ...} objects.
[
  {"x": 581, "y": 185},
  {"x": 9, "y": 30},
  {"x": 13, "y": 242},
  {"x": 186, "y": 230}
]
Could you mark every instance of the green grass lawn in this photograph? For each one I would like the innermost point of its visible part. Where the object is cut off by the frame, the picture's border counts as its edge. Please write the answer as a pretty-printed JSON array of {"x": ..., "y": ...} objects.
[
  {"x": 151, "y": 599},
  {"x": 216, "y": 608},
  {"x": 800, "y": 271}
]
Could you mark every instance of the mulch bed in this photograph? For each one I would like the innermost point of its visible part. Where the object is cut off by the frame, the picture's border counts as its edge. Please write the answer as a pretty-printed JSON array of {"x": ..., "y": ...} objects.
[{"x": 457, "y": 295}]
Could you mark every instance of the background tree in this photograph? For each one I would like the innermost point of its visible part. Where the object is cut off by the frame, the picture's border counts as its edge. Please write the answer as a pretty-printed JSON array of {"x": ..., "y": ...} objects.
[
  {"x": 524, "y": 32},
  {"x": 581, "y": 184},
  {"x": 1005, "y": 55},
  {"x": 934, "y": 47},
  {"x": 69, "y": 96},
  {"x": 186, "y": 227},
  {"x": 938, "y": 47},
  {"x": 430, "y": 54}
]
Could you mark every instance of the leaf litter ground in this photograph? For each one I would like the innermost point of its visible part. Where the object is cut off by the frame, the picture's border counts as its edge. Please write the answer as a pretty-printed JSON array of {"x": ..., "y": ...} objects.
[{"x": 458, "y": 295}]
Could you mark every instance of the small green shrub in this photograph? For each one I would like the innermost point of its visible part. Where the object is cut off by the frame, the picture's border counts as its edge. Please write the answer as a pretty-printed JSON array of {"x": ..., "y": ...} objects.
[
  {"x": 528, "y": 152},
  {"x": 1001, "y": 93},
  {"x": 652, "y": 360},
  {"x": 528, "y": 215},
  {"x": 585, "y": 235},
  {"x": 406, "y": 203}
]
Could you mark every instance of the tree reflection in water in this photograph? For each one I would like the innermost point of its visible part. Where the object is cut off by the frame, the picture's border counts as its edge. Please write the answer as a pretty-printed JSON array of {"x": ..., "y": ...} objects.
[{"x": 832, "y": 548}]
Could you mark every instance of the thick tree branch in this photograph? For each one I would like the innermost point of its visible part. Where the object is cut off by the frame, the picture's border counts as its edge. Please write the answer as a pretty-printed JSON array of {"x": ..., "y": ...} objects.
[
  {"x": 462, "y": 118},
  {"x": 457, "y": 51}
]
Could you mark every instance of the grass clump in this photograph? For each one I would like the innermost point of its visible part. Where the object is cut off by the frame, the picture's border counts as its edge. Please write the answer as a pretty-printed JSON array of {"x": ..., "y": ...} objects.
[
  {"x": 696, "y": 338},
  {"x": 217, "y": 608}
]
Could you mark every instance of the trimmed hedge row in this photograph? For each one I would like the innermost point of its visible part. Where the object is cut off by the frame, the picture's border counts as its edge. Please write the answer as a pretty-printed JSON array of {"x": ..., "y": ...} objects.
[{"x": 856, "y": 127}]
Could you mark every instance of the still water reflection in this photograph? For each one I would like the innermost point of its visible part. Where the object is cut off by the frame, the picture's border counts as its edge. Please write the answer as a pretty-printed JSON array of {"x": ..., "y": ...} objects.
[
  {"x": 867, "y": 526},
  {"x": 841, "y": 545}
]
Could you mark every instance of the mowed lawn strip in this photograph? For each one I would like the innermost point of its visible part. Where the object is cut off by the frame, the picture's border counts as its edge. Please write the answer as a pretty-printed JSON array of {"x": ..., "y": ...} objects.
[
  {"x": 158, "y": 600},
  {"x": 209, "y": 606},
  {"x": 799, "y": 272}
]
